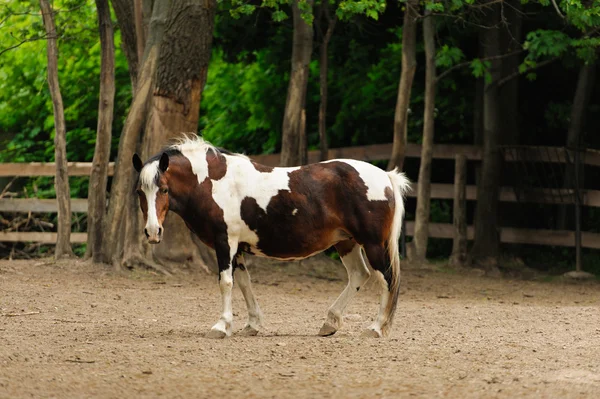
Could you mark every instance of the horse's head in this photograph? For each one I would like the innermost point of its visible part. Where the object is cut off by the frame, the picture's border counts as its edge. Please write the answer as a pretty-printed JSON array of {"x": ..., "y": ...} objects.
[{"x": 153, "y": 191}]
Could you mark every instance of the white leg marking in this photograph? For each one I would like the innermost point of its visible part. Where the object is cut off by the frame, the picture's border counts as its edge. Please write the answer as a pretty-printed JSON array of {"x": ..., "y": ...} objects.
[
  {"x": 254, "y": 313},
  {"x": 358, "y": 274},
  {"x": 224, "y": 326},
  {"x": 375, "y": 328}
]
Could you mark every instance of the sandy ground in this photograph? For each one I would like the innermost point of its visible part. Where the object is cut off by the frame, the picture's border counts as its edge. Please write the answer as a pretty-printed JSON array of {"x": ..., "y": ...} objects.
[{"x": 77, "y": 330}]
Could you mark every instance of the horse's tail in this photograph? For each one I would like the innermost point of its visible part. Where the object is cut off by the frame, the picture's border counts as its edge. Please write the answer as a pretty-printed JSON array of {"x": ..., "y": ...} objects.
[{"x": 400, "y": 185}]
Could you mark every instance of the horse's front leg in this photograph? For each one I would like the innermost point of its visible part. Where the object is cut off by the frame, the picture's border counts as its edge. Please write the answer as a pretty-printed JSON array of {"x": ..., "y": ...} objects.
[{"x": 226, "y": 248}]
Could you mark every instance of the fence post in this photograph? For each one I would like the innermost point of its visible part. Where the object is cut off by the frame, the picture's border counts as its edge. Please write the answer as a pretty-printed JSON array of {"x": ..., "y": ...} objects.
[
  {"x": 459, "y": 246},
  {"x": 577, "y": 213}
]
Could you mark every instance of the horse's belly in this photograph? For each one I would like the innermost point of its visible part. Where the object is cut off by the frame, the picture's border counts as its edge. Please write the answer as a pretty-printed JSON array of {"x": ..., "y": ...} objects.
[{"x": 295, "y": 246}]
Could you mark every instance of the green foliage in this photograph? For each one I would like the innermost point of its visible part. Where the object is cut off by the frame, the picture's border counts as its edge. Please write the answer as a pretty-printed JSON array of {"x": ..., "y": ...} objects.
[
  {"x": 583, "y": 14},
  {"x": 241, "y": 7},
  {"x": 546, "y": 43},
  {"x": 480, "y": 69},
  {"x": 367, "y": 86},
  {"x": 242, "y": 104},
  {"x": 370, "y": 8},
  {"x": 448, "y": 56},
  {"x": 26, "y": 111},
  {"x": 434, "y": 6},
  {"x": 345, "y": 10}
]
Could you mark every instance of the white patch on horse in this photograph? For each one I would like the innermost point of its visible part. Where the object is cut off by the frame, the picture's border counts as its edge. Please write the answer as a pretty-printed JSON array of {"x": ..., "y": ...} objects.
[
  {"x": 197, "y": 157},
  {"x": 152, "y": 222},
  {"x": 150, "y": 189},
  {"x": 241, "y": 180},
  {"x": 294, "y": 212},
  {"x": 374, "y": 178}
]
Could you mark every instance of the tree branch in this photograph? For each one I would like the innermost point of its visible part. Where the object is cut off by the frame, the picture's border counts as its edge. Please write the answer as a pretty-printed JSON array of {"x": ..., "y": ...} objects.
[
  {"x": 466, "y": 63},
  {"x": 31, "y": 39},
  {"x": 517, "y": 73},
  {"x": 557, "y": 9}
]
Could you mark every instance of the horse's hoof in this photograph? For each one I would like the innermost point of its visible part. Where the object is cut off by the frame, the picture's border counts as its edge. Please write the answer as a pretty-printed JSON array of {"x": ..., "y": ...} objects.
[
  {"x": 371, "y": 333},
  {"x": 216, "y": 334},
  {"x": 327, "y": 330},
  {"x": 249, "y": 331}
]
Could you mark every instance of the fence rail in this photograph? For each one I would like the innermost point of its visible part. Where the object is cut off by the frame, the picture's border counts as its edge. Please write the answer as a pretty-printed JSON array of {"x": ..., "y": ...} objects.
[
  {"x": 438, "y": 191},
  {"x": 508, "y": 235},
  {"x": 373, "y": 152}
]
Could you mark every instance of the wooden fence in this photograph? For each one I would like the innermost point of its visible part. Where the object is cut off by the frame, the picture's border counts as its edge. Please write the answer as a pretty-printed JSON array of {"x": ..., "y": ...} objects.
[{"x": 374, "y": 152}]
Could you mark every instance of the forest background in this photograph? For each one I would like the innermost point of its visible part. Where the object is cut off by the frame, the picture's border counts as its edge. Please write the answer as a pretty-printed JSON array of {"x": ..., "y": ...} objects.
[{"x": 531, "y": 63}]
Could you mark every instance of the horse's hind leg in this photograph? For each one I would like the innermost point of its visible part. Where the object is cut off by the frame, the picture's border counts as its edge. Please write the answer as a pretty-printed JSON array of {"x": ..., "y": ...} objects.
[
  {"x": 242, "y": 278},
  {"x": 379, "y": 260},
  {"x": 358, "y": 274}
]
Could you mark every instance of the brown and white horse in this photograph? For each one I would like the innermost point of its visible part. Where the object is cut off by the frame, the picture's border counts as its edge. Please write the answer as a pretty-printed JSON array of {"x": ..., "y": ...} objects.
[{"x": 237, "y": 206}]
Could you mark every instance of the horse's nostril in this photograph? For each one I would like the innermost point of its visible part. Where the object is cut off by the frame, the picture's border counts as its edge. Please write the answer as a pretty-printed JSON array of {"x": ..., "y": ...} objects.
[
  {"x": 146, "y": 232},
  {"x": 160, "y": 231}
]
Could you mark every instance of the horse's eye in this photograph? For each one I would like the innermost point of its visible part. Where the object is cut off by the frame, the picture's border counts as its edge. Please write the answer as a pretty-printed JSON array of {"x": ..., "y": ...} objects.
[{"x": 164, "y": 190}]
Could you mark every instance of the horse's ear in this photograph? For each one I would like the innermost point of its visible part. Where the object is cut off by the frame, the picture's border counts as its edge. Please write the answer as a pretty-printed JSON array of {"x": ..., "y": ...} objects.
[
  {"x": 137, "y": 162},
  {"x": 163, "y": 164}
]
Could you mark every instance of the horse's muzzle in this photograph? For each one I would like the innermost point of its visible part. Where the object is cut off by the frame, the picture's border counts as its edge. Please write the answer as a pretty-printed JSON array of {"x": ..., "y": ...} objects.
[{"x": 154, "y": 238}]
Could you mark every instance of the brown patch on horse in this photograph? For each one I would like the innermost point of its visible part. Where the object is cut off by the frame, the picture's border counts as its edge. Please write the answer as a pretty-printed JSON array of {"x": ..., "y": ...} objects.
[
  {"x": 143, "y": 204},
  {"x": 262, "y": 168},
  {"x": 217, "y": 165},
  {"x": 345, "y": 247},
  {"x": 162, "y": 199},
  {"x": 194, "y": 202},
  {"x": 316, "y": 212}
]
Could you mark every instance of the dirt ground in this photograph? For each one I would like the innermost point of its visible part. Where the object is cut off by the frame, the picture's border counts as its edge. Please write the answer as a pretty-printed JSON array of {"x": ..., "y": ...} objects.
[{"x": 78, "y": 330}]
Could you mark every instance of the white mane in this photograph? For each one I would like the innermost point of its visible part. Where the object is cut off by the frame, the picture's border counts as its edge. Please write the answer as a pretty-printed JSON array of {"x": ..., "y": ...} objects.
[
  {"x": 190, "y": 142},
  {"x": 148, "y": 174}
]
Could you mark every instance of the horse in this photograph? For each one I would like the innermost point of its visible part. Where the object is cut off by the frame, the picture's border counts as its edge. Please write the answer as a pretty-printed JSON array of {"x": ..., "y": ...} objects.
[{"x": 237, "y": 206}]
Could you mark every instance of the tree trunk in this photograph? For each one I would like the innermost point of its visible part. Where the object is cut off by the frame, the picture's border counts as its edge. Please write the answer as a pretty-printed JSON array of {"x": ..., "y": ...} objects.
[
  {"x": 409, "y": 66},
  {"x": 296, "y": 95},
  {"x": 99, "y": 175},
  {"x": 583, "y": 91},
  {"x": 124, "y": 10},
  {"x": 478, "y": 110},
  {"x": 180, "y": 78},
  {"x": 303, "y": 147},
  {"x": 140, "y": 33},
  {"x": 323, "y": 69},
  {"x": 61, "y": 182},
  {"x": 121, "y": 191},
  {"x": 419, "y": 243},
  {"x": 509, "y": 92},
  {"x": 487, "y": 238},
  {"x": 182, "y": 69},
  {"x": 510, "y": 42},
  {"x": 459, "y": 245}
]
